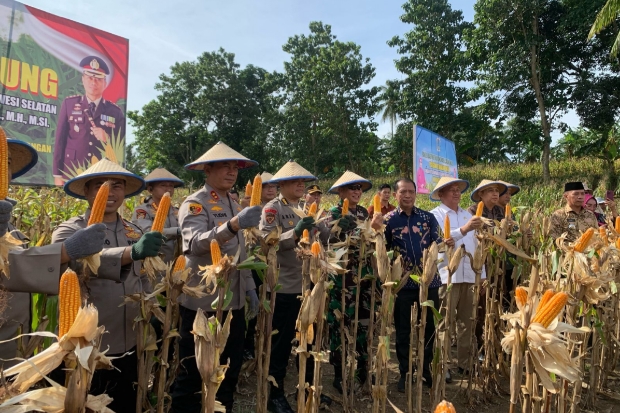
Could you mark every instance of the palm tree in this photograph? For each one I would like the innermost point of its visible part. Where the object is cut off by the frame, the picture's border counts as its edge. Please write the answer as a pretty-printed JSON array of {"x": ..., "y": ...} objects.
[
  {"x": 607, "y": 15},
  {"x": 390, "y": 100}
]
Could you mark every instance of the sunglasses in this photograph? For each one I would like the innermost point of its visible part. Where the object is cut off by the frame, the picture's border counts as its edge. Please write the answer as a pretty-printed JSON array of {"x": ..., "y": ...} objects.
[{"x": 356, "y": 187}]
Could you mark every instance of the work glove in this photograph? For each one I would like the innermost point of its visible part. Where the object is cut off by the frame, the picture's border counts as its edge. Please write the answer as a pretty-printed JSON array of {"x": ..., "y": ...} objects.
[
  {"x": 250, "y": 217},
  {"x": 252, "y": 309},
  {"x": 147, "y": 246},
  {"x": 85, "y": 242},
  {"x": 5, "y": 215},
  {"x": 347, "y": 222},
  {"x": 304, "y": 223}
]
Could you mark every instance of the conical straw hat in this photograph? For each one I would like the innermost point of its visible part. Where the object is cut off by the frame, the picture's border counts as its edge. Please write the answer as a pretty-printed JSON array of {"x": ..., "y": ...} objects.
[
  {"x": 162, "y": 175},
  {"x": 218, "y": 153},
  {"x": 514, "y": 189},
  {"x": 266, "y": 177},
  {"x": 290, "y": 171},
  {"x": 108, "y": 169},
  {"x": 445, "y": 181},
  {"x": 23, "y": 157},
  {"x": 349, "y": 178},
  {"x": 484, "y": 184}
]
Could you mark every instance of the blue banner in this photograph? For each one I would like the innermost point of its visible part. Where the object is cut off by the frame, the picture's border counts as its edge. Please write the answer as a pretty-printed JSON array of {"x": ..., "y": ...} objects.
[{"x": 434, "y": 157}]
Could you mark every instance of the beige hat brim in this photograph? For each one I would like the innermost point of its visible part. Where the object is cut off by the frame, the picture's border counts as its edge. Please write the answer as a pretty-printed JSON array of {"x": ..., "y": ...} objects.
[
  {"x": 23, "y": 157},
  {"x": 292, "y": 171},
  {"x": 220, "y": 152},
  {"x": 105, "y": 169},
  {"x": 484, "y": 184},
  {"x": 163, "y": 175},
  {"x": 463, "y": 184},
  {"x": 350, "y": 178}
]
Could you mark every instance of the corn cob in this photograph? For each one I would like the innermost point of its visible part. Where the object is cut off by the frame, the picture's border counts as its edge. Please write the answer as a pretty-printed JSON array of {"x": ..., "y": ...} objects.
[
  {"x": 257, "y": 188},
  {"x": 305, "y": 235},
  {"x": 508, "y": 211},
  {"x": 179, "y": 264},
  {"x": 602, "y": 231},
  {"x": 110, "y": 154},
  {"x": 480, "y": 209},
  {"x": 376, "y": 203},
  {"x": 312, "y": 209},
  {"x": 98, "y": 209},
  {"x": 548, "y": 295},
  {"x": 345, "y": 207},
  {"x": 617, "y": 228},
  {"x": 521, "y": 296},
  {"x": 582, "y": 243},
  {"x": 216, "y": 254},
  {"x": 4, "y": 165},
  {"x": 315, "y": 249},
  {"x": 445, "y": 407},
  {"x": 162, "y": 213},
  {"x": 248, "y": 189},
  {"x": 551, "y": 310},
  {"x": 68, "y": 301},
  {"x": 446, "y": 227}
]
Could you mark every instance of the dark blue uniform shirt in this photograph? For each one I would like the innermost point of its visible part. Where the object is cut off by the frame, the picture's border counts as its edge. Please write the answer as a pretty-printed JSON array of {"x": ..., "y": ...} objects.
[{"x": 410, "y": 235}]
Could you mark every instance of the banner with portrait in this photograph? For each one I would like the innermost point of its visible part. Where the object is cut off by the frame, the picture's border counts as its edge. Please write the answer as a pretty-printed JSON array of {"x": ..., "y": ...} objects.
[
  {"x": 433, "y": 157},
  {"x": 63, "y": 90}
]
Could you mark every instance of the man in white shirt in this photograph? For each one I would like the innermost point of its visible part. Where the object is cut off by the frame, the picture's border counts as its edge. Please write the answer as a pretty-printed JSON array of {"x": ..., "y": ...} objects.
[{"x": 462, "y": 226}]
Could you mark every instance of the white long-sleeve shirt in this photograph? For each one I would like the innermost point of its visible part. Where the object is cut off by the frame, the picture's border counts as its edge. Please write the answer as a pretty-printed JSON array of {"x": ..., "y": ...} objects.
[{"x": 458, "y": 218}]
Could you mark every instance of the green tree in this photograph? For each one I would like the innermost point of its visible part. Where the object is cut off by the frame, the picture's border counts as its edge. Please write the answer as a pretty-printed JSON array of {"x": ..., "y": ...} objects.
[
  {"x": 389, "y": 96},
  {"x": 606, "y": 17},
  {"x": 327, "y": 106}
]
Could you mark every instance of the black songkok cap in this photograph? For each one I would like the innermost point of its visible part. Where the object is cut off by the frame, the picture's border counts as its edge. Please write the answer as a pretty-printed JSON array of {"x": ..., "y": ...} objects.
[{"x": 573, "y": 186}]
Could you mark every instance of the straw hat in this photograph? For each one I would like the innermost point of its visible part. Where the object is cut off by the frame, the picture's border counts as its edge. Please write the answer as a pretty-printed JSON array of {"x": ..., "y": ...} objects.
[
  {"x": 445, "y": 181},
  {"x": 105, "y": 168},
  {"x": 514, "y": 189},
  {"x": 218, "y": 153},
  {"x": 349, "y": 178},
  {"x": 23, "y": 157},
  {"x": 290, "y": 171},
  {"x": 484, "y": 184},
  {"x": 266, "y": 177},
  {"x": 162, "y": 175}
]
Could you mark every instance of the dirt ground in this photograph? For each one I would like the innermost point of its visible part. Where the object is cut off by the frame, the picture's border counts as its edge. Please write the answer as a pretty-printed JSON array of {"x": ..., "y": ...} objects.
[{"x": 455, "y": 393}]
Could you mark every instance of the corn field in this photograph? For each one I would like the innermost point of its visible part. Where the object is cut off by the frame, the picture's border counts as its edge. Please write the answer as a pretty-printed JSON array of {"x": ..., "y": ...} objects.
[{"x": 553, "y": 347}]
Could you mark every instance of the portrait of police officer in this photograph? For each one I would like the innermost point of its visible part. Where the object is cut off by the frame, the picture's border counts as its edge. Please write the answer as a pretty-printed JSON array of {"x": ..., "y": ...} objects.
[{"x": 86, "y": 122}]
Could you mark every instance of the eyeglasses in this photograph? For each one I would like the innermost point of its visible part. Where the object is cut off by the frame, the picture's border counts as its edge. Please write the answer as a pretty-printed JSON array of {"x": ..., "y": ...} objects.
[{"x": 355, "y": 187}]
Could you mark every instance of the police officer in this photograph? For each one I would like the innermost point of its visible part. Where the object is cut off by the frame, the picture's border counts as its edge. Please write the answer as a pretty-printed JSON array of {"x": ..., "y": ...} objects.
[
  {"x": 119, "y": 274},
  {"x": 36, "y": 269},
  {"x": 211, "y": 214},
  {"x": 86, "y": 123},
  {"x": 158, "y": 183},
  {"x": 279, "y": 213}
]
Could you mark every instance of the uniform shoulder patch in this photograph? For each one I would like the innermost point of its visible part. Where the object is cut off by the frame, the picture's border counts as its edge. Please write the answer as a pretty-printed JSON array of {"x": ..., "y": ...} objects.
[
  {"x": 195, "y": 209},
  {"x": 140, "y": 213},
  {"x": 270, "y": 215}
]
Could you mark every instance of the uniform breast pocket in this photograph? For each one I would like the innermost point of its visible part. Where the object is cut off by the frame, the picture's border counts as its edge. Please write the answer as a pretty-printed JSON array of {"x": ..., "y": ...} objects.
[{"x": 77, "y": 126}]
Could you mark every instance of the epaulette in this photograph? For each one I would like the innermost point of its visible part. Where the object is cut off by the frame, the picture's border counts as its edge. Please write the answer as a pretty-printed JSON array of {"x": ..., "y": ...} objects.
[
  {"x": 74, "y": 96},
  {"x": 113, "y": 104}
]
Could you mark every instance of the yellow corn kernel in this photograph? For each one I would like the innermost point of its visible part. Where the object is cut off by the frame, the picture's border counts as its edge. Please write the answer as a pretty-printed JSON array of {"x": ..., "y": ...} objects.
[
  {"x": 162, "y": 213},
  {"x": 376, "y": 203},
  {"x": 345, "y": 207},
  {"x": 551, "y": 310},
  {"x": 602, "y": 231},
  {"x": 69, "y": 301},
  {"x": 312, "y": 209},
  {"x": 446, "y": 227},
  {"x": 93, "y": 160},
  {"x": 216, "y": 254},
  {"x": 315, "y": 249},
  {"x": 305, "y": 236},
  {"x": 508, "y": 211},
  {"x": 582, "y": 242},
  {"x": 445, "y": 407},
  {"x": 521, "y": 296},
  {"x": 248, "y": 189},
  {"x": 617, "y": 225},
  {"x": 98, "y": 209},
  {"x": 548, "y": 295},
  {"x": 4, "y": 165},
  {"x": 179, "y": 264},
  {"x": 257, "y": 189},
  {"x": 110, "y": 154},
  {"x": 480, "y": 209}
]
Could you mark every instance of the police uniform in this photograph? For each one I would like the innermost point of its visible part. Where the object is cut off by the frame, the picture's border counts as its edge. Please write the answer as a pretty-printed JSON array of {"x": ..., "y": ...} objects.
[
  {"x": 144, "y": 215},
  {"x": 34, "y": 270},
  {"x": 574, "y": 223},
  {"x": 75, "y": 143},
  {"x": 203, "y": 216}
]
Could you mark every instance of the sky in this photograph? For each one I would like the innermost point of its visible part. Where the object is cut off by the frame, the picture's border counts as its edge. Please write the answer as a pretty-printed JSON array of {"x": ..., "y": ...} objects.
[{"x": 162, "y": 33}]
